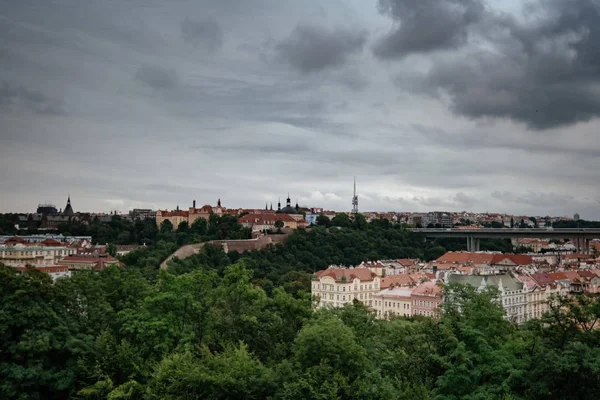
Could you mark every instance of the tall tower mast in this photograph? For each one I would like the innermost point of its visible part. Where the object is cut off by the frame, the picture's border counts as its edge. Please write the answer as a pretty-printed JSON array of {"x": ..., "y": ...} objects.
[{"x": 355, "y": 199}]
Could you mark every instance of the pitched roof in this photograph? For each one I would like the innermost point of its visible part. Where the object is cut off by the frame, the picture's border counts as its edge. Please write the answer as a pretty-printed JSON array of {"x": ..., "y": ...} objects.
[
  {"x": 464, "y": 257},
  {"x": 519, "y": 259},
  {"x": 399, "y": 280},
  {"x": 428, "y": 289},
  {"x": 51, "y": 243},
  {"x": 337, "y": 273}
]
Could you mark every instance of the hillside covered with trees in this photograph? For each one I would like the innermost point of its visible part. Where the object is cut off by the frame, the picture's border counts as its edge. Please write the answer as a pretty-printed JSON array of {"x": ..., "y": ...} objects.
[{"x": 211, "y": 333}]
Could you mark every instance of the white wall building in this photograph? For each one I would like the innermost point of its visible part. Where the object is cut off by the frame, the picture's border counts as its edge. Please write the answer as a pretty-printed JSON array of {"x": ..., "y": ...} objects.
[{"x": 335, "y": 286}]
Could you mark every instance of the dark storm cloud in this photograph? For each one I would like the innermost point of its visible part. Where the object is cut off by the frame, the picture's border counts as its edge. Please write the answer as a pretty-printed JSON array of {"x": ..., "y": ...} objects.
[
  {"x": 13, "y": 97},
  {"x": 311, "y": 48},
  {"x": 204, "y": 32},
  {"x": 158, "y": 78},
  {"x": 543, "y": 71},
  {"x": 426, "y": 25}
]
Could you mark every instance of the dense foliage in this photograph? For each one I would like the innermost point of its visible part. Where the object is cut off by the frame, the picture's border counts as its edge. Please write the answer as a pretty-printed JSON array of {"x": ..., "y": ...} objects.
[
  {"x": 212, "y": 333},
  {"x": 219, "y": 325}
]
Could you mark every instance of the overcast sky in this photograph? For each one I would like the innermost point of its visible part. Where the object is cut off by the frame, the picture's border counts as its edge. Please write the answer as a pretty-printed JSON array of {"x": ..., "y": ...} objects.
[{"x": 432, "y": 104}]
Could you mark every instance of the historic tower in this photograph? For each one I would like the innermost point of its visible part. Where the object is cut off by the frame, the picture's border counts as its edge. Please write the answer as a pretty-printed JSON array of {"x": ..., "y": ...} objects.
[{"x": 355, "y": 199}]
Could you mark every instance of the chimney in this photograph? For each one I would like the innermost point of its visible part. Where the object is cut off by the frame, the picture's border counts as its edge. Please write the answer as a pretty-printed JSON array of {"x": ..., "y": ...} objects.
[{"x": 194, "y": 204}]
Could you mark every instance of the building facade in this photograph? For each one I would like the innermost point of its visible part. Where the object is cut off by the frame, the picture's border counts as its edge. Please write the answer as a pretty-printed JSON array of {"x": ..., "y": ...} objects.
[
  {"x": 427, "y": 300},
  {"x": 335, "y": 286},
  {"x": 37, "y": 255},
  {"x": 393, "y": 302}
]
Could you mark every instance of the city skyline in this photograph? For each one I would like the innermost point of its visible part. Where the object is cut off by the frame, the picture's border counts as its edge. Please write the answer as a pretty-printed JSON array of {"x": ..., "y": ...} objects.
[{"x": 142, "y": 105}]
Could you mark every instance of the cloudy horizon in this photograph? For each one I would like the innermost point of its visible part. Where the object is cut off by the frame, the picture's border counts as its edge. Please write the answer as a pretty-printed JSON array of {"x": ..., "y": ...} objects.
[{"x": 432, "y": 104}]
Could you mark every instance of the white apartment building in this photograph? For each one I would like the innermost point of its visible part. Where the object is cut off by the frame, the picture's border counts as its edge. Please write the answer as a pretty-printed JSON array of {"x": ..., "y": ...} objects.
[
  {"x": 393, "y": 302},
  {"x": 38, "y": 256},
  {"x": 512, "y": 292},
  {"x": 336, "y": 286}
]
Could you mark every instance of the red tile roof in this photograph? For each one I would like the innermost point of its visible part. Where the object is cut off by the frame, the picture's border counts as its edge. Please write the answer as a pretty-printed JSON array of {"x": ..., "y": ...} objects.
[
  {"x": 15, "y": 240},
  {"x": 428, "y": 289},
  {"x": 51, "y": 243},
  {"x": 337, "y": 273},
  {"x": 519, "y": 259},
  {"x": 464, "y": 257},
  {"x": 397, "y": 280}
]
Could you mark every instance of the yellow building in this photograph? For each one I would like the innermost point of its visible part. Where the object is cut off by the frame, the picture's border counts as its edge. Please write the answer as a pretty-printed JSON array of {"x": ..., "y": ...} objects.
[
  {"x": 393, "y": 302},
  {"x": 334, "y": 287},
  {"x": 175, "y": 217}
]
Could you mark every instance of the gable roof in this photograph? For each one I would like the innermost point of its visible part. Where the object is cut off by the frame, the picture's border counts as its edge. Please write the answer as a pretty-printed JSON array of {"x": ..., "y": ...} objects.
[
  {"x": 337, "y": 273},
  {"x": 519, "y": 259},
  {"x": 428, "y": 289}
]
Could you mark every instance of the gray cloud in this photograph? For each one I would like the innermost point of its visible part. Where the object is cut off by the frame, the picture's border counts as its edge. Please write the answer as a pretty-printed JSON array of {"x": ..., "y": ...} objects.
[
  {"x": 157, "y": 77},
  {"x": 240, "y": 124},
  {"x": 13, "y": 97},
  {"x": 204, "y": 32},
  {"x": 542, "y": 71},
  {"x": 311, "y": 48},
  {"x": 426, "y": 25}
]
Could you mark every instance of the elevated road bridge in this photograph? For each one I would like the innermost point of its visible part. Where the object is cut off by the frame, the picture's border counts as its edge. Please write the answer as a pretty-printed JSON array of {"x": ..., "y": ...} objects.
[{"x": 579, "y": 236}]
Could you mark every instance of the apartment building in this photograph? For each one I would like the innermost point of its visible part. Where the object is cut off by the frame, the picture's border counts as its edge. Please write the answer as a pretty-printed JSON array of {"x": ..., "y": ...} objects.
[
  {"x": 512, "y": 292},
  {"x": 337, "y": 286},
  {"x": 393, "y": 302},
  {"x": 46, "y": 253}
]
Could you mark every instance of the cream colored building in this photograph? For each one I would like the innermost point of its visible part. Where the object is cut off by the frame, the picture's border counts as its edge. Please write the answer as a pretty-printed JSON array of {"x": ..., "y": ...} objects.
[
  {"x": 393, "y": 302},
  {"x": 21, "y": 255},
  {"x": 335, "y": 286}
]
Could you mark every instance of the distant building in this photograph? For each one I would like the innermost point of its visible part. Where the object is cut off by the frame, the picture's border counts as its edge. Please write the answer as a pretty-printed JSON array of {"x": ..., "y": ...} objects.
[
  {"x": 123, "y": 250},
  {"x": 46, "y": 209},
  {"x": 142, "y": 213},
  {"x": 261, "y": 222},
  {"x": 175, "y": 217},
  {"x": 576, "y": 217}
]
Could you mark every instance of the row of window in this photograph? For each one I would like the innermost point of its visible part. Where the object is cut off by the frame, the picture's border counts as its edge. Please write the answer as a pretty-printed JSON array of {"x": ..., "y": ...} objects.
[
  {"x": 425, "y": 303},
  {"x": 337, "y": 287},
  {"x": 360, "y": 296}
]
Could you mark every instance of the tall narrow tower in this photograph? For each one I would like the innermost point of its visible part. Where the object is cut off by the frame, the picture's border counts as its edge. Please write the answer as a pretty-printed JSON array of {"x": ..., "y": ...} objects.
[{"x": 355, "y": 199}]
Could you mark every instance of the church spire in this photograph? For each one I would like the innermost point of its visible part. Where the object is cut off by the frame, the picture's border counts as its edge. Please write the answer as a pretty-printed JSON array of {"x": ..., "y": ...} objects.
[
  {"x": 279, "y": 204},
  {"x": 288, "y": 201},
  {"x": 271, "y": 206}
]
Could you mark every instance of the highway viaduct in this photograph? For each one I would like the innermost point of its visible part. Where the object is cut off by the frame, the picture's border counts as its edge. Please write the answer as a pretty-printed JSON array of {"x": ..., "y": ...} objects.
[{"x": 580, "y": 237}]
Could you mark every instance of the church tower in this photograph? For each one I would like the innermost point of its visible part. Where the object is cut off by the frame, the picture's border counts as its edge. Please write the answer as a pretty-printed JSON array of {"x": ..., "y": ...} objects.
[{"x": 68, "y": 208}]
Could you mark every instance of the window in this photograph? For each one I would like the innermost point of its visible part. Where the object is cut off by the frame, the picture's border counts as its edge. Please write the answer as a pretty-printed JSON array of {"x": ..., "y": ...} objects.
[
  {"x": 370, "y": 287},
  {"x": 344, "y": 298},
  {"x": 338, "y": 297},
  {"x": 344, "y": 289},
  {"x": 361, "y": 287}
]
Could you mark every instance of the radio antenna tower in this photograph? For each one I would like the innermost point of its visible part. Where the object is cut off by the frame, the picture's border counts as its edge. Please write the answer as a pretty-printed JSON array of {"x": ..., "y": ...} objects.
[{"x": 355, "y": 199}]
